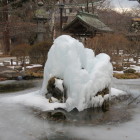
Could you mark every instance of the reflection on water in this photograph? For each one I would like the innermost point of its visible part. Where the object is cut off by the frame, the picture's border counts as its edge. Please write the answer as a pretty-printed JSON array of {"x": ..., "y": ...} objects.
[
  {"x": 13, "y": 85},
  {"x": 92, "y": 117}
]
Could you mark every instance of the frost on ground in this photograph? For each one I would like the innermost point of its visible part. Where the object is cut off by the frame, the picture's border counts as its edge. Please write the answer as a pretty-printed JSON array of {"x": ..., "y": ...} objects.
[{"x": 83, "y": 73}]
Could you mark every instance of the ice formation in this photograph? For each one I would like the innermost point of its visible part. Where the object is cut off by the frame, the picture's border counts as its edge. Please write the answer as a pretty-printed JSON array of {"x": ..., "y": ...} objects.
[{"x": 83, "y": 73}]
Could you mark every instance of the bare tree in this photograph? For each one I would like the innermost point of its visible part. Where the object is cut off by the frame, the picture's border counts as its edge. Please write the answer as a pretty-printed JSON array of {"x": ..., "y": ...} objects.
[
  {"x": 4, "y": 18},
  {"x": 136, "y": 11}
]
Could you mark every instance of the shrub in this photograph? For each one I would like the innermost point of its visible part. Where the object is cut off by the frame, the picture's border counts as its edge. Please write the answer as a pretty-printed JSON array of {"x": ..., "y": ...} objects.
[
  {"x": 108, "y": 43},
  {"x": 32, "y": 38},
  {"x": 126, "y": 76},
  {"x": 117, "y": 67},
  {"x": 126, "y": 65},
  {"x": 129, "y": 71},
  {"x": 38, "y": 52},
  {"x": 21, "y": 52}
]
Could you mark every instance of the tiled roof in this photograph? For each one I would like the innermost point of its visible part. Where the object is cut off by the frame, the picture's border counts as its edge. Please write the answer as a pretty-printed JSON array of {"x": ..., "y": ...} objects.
[{"x": 89, "y": 20}]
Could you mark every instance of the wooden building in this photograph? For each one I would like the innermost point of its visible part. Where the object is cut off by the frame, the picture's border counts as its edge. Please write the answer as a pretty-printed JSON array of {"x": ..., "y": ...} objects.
[{"x": 86, "y": 25}]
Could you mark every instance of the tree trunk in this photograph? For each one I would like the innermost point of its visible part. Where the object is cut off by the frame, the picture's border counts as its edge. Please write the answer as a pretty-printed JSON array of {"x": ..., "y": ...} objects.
[
  {"x": 6, "y": 36},
  {"x": 93, "y": 8},
  {"x": 87, "y": 6}
]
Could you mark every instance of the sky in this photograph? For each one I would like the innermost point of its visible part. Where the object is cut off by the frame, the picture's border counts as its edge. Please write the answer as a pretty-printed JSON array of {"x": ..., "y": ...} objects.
[{"x": 126, "y": 4}]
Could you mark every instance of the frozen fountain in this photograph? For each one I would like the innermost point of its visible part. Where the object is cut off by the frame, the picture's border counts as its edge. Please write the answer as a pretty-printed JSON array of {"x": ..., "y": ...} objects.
[{"x": 81, "y": 78}]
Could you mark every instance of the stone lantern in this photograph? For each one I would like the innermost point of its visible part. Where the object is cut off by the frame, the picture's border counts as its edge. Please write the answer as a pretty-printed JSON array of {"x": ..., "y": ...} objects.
[
  {"x": 40, "y": 3},
  {"x": 41, "y": 17}
]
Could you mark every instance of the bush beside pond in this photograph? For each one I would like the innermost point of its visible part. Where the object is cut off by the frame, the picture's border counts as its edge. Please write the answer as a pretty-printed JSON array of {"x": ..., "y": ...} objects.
[
  {"x": 117, "y": 67},
  {"x": 126, "y": 75},
  {"x": 129, "y": 71},
  {"x": 38, "y": 52},
  {"x": 36, "y": 72}
]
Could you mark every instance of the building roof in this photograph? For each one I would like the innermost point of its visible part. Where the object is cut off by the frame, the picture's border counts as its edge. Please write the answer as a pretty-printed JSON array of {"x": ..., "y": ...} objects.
[{"x": 86, "y": 23}]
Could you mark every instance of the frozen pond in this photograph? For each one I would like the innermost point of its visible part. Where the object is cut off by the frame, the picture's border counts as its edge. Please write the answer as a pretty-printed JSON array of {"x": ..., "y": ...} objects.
[
  {"x": 18, "y": 122},
  {"x": 15, "y": 85},
  {"x": 131, "y": 86}
]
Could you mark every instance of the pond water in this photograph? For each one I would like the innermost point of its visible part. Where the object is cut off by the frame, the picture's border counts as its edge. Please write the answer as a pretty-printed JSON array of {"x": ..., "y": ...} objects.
[
  {"x": 15, "y": 85},
  {"x": 18, "y": 122},
  {"x": 131, "y": 86}
]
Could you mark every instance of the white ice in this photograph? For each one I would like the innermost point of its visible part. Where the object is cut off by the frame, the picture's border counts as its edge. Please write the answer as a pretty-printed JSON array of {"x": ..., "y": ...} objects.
[
  {"x": 117, "y": 92},
  {"x": 84, "y": 74},
  {"x": 59, "y": 84}
]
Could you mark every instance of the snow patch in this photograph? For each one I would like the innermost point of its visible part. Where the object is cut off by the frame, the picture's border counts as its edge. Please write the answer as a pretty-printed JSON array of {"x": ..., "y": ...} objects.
[
  {"x": 137, "y": 68},
  {"x": 34, "y": 66},
  {"x": 59, "y": 84},
  {"x": 117, "y": 92},
  {"x": 35, "y": 100}
]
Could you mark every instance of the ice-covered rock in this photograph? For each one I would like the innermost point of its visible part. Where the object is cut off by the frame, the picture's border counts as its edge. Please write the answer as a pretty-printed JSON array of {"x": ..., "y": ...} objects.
[
  {"x": 55, "y": 89},
  {"x": 83, "y": 73}
]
